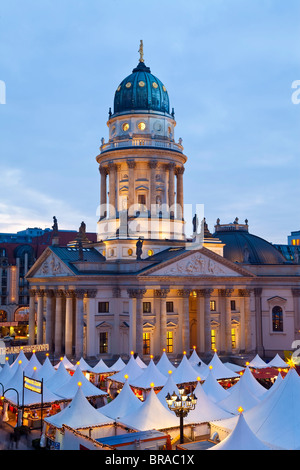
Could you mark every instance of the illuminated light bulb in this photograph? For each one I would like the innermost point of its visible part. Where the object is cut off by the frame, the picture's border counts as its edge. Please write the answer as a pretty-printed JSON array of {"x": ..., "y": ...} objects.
[
  {"x": 247, "y": 363},
  {"x": 33, "y": 352},
  {"x": 61, "y": 358},
  {"x": 20, "y": 362},
  {"x": 210, "y": 367},
  {"x": 34, "y": 368},
  {"x": 21, "y": 347},
  {"x": 215, "y": 350},
  {"x": 184, "y": 352},
  {"x": 198, "y": 378},
  {"x": 152, "y": 385},
  {"x": 6, "y": 358},
  {"x": 77, "y": 363},
  {"x": 47, "y": 354},
  {"x": 151, "y": 357},
  {"x": 132, "y": 353},
  {"x": 170, "y": 372},
  {"x": 126, "y": 376},
  {"x": 164, "y": 350},
  {"x": 240, "y": 409},
  {"x": 194, "y": 347},
  {"x": 79, "y": 384}
]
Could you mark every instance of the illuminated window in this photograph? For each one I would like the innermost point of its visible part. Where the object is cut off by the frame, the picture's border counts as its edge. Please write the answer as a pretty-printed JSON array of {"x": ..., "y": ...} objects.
[
  {"x": 103, "y": 343},
  {"x": 170, "y": 342},
  {"x": 146, "y": 343},
  {"x": 141, "y": 126},
  {"x": 213, "y": 339},
  {"x": 146, "y": 307},
  {"x": 233, "y": 338},
  {"x": 125, "y": 126},
  {"x": 232, "y": 304},
  {"x": 212, "y": 305},
  {"x": 170, "y": 307},
  {"x": 296, "y": 241},
  {"x": 277, "y": 318}
]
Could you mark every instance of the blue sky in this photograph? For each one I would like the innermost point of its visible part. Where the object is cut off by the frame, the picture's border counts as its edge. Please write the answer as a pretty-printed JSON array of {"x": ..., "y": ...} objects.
[{"x": 228, "y": 66}]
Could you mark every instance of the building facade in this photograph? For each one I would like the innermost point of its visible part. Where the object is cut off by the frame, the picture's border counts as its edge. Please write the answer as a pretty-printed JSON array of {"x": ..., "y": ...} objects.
[{"x": 144, "y": 286}]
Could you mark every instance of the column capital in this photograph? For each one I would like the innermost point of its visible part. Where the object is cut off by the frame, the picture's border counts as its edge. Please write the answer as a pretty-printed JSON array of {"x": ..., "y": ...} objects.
[
  {"x": 103, "y": 170},
  {"x": 136, "y": 293},
  {"x": 40, "y": 292},
  {"x": 244, "y": 292},
  {"x": 179, "y": 170},
  {"x": 185, "y": 293},
  {"x": 204, "y": 292},
  {"x": 171, "y": 166},
  {"x": 111, "y": 166},
  {"x": 91, "y": 293},
  {"x": 161, "y": 293},
  {"x": 79, "y": 293},
  {"x": 257, "y": 291},
  {"x": 296, "y": 291},
  {"x": 116, "y": 291},
  {"x": 152, "y": 164},
  {"x": 69, "y": 293},
  {"x": 131, "y": 164},
  {"x": 59, "y": 293},
  {"x": 225, "y": 292},
  {"x": 49, "y": 293},
  {"x": 32, "y": 292}
]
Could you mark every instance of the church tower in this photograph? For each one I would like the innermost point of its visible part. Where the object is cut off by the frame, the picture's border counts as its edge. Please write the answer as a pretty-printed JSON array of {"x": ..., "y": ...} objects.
[{"x": 141, "y": 166}]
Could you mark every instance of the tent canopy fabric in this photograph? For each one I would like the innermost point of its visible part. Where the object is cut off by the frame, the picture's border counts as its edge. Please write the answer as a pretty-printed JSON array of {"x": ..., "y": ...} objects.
[
  {"x": 69, "y": 389},
  {"x": 151, "y": 415},
  {"x": 125, "y": 402},
  {"x": 278, "y": 362},
  {"x": 149, "y": 375},
  {"x": 60, "y": 377},
  {"x": 252, "y": 384},
  {"x": 239, "y": 395},
  {"x": 219, "y": 369},
  {"x": 185, "y": 372},
  {"x": 164, "y": 364},
  {"x": 79, "y": 414},
  {"x": 169, "y": 387},
  {"x": 241, "y": 438},
  {"x": 132, "y": 370},
  {"x": 118, "y": 365},
  {"x": 257, "y": 362},
  {"x": 276, "y": 419},
  {"x": 100, "y": 368},
  {"x": 66, "y": 362},
  {"x": 213, "y": 389}
]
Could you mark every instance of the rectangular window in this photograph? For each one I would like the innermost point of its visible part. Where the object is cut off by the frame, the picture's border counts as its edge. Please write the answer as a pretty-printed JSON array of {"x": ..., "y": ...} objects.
[
  {"x": 170, "y": 342},
  {"x": 233, "y": 338},
  {"x": 170, "y": 307},
  {"x": 233, "y": 306},
  {"x": 213, "y": 339},
  {"x": 212, "y": 305},
  {"x": 103, "y": 307},
  {"x": 103, "y": 346},
  {"x": 146, "y": 307},
  {"x": 146, "y": 343},
  {"x": 142, "y": 199}
]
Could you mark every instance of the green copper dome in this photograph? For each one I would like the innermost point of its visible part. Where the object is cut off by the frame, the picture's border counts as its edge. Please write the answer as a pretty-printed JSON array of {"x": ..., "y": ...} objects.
[{"x": 141, "y": 91}]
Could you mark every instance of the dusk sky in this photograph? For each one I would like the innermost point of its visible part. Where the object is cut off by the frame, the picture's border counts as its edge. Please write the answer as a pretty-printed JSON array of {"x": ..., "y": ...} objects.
[{"x": 228, "y": 67}]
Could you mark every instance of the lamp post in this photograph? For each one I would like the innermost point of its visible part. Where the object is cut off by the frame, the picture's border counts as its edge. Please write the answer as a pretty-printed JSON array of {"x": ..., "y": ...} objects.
[{"x": 181, "y": 404}]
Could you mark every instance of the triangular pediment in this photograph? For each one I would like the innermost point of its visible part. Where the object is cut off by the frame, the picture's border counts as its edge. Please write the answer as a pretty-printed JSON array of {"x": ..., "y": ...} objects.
[
  {"x": 49, "y": 265},
  {"x": 198, "y": 263}
]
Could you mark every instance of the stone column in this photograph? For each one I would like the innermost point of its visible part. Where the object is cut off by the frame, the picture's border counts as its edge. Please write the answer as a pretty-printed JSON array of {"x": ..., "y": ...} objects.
[
  {"x": 103, "y": 192},
  {"x": 171, "y": 168},
  {"x": 162, "y": 295},
  {"x": 116, "y": 294},
  {"x": 296, "y": 297},
  {"x": 90, "y": 323},
  {"x": 138, "y": 294},
  {"x": 245, "y": 293},
  {"x": 206, "y": 293},
  {"x": 58, "y": 326},
  {"x": 152, "y": 165},
  {"x": 79, "y": 294},
  {"x": 131, "y": 186},
  {"x": 31, "y": 327},
  {"x": 112, "y": 169},
  {"x": 258, "y": 321},
  {"x": 226, "y": 293},
  {"x": 40, "y": 315},
  {"x": 49, "y": 319},
  {"x": 179, "y": 192},
  {"x": 185, "y": 314},
  {"x": 69, "y": 323}
]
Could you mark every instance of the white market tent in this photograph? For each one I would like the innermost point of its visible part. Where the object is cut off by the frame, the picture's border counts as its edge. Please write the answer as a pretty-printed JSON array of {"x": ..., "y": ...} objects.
[
  {"x": 148, "y": 376},
  {"x": 205, "y": 410},
  {"x": 6, "y": 374},
  {"x": 140, "y": 362},
  {"x": 151, "y": 415},
  {"x": 126, "y": 402},
  {"x": 219, "y": 369},
  {"x": 66, "y": 362},
  {"x": 185, "y": 372},
  {"x": 257, "y": 363},
  {"x": 60, "y": 377},
  {"x": 241, "y": 438},
  {"x": 234, "y": 367},
  {"x": 21, "y": 357},
  {"x": 46, "y": 371},
  {"x": 202, "y": 370},
  {"x": 164, "y": 364},
  {"x": 100, "y": 368},
  {"x": 131, "y": 369},
  {"x": 239, "y": 395},
  {"x": 277, "y": 362},
  {"x": 33, "y": 364},
  {"x": 69, "y": 389},
  {"x": 272, "y": 389},
  {"x": 118, "y": 365},
  {"x": 84, "y": 366},
  {"x": 213, "y": 389},
  {"x": 169, "y": 387},
  {"x": 194, "y": 358},
  {"x": 276, "y": 419},
  {"x": 79, "y": 413},
  {"x": 252, "y": 384}
]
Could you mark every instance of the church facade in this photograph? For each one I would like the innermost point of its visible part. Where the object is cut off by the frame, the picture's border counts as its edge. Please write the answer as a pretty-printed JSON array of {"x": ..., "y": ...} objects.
[{"x": 144, "y": 286}]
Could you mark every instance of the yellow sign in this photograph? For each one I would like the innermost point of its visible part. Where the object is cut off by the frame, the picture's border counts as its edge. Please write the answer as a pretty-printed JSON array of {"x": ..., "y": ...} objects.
[{"x": 34, "y": 385}]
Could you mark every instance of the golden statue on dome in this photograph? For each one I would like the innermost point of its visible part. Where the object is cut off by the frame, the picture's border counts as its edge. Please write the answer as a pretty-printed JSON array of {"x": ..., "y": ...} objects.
[{"x": 141, "y": 51}]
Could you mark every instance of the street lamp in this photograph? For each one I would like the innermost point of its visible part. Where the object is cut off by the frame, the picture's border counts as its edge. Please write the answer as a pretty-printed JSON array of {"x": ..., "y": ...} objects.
[{"x": 181, "y": 404}]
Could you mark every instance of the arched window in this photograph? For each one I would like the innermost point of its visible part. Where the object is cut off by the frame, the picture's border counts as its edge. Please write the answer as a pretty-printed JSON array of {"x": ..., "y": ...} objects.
[{"x": 277, "y": 318}]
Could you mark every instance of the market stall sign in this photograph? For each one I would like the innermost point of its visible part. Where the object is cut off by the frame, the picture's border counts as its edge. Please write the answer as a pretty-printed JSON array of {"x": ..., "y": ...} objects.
[{"x": 33, "y": 385}]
